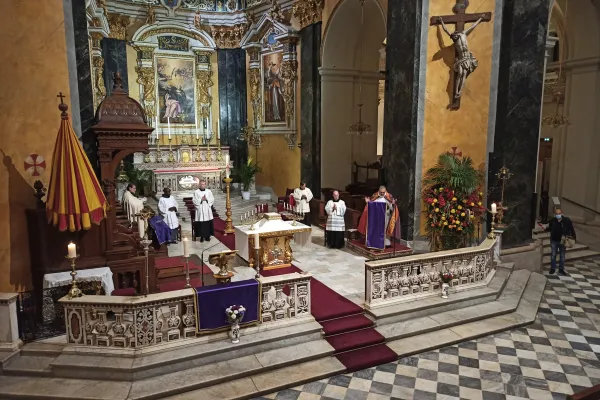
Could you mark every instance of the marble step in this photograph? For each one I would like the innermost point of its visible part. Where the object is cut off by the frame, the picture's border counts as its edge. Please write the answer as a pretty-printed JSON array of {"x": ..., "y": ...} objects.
[
  {"x": 524, "y": 314},
  {"x": 432, "y": 305},
  {"x": 572, "y": 255},
  {"x": 192, "y": 355},
  {"x": 505, "y": 303},
  {"x": 26, "y": 388},
  {"x": 42, "y": 349},
  {"x": 29, "y": 365}
]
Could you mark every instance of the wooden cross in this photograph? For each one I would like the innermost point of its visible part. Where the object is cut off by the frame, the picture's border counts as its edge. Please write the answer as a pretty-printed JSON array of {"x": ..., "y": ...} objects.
[
  {"x": 62, "y": 96},
  {"x": 459, "y": 19}
]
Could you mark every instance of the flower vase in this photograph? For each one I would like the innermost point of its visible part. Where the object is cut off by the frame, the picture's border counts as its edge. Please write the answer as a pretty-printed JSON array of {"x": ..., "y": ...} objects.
[
  {"x": 235, "y": 332},
  {"x": 445, "y": 289}
]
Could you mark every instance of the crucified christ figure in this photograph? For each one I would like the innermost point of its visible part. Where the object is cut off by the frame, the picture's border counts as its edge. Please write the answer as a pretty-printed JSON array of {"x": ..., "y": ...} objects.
[{"x": 465, "y": 62}]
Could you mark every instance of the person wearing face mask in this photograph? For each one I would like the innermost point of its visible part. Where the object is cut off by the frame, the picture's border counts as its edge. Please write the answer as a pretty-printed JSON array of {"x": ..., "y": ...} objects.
[{"x": 559, "y": 227}]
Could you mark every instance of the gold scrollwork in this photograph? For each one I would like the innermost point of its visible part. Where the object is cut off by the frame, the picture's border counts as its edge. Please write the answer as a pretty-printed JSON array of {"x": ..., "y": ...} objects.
[
  {"x": 99, "y": 88},
  {"x": 177, "y": 31},
  {"x": 255, "y": 93},
  {"x": 289, "y": 72},
  {"x": 308, "y": 12},
  {"x": 118, "y": 26},
  {"x": 228, "y": 37},
  {"x": 146, "y": 79},
  {"x": 204, "y": 83}
]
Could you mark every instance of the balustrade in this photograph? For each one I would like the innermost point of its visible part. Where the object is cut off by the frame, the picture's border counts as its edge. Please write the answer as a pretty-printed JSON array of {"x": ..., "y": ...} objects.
[{"x": 276, "y": 305}]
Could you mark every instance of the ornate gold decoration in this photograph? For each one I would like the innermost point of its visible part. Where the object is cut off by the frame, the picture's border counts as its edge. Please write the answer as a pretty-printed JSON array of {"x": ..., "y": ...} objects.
[
  {"x": 307, "y": 12},
  {"x": 178, "y": 31},
  {"x": 252, "y": 3},
  {"x": 228, "y": 37},
  {"x": 96, "y": 39},
  {"x": 222, "y": 260},
  {"x": 118, "y": 26},
  {"x": 146, "y": 79},
  {"x": 255, "y": 93},
  {"x": 558, "y": 119},
  {"x": 277, "y": 14},
  {"x": 150, "y": 15},
  {"x": 289, "y": 72},
  {"x": 203, "y": 83},
  {"x": 99, "y": 88}
]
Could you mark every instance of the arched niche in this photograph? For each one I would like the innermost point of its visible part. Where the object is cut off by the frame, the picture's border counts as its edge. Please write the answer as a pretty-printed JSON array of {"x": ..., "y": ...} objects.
[{"x": 340, "y": 88}]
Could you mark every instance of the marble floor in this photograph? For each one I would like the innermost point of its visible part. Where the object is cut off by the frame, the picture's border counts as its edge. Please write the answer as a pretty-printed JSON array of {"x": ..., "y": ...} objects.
[{"x": 550, "y": 359}]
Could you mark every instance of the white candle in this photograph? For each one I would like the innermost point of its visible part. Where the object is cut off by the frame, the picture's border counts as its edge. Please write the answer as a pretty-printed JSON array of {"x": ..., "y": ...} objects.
[
  {"x": 141, "y": 227},
  {"x": 493, "y": 208},
  {"x": 169, "y": 127},
  {"x": 197, "y": 134},
  {"x": 72, "y": 250},
  {"x": 156, "y": 122},
  {"x": 256, "y": 241},
  {"x": 186, "y": 248},
  {"x": 218, "y": 131},
  {"x": 227, "y": 172}
]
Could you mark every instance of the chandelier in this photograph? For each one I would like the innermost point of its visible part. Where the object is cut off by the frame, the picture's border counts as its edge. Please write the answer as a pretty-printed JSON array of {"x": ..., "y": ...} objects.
[{"x": 360, "y": 128}]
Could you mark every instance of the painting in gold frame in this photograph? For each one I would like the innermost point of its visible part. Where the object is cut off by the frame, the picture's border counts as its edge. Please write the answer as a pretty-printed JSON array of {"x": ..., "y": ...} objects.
[
  {"x": 175, "y": 79},
  {"x": 273, "y": 101}
]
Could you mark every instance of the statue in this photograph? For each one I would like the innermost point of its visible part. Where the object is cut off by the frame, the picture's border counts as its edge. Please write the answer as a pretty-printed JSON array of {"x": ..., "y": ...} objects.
[
  {"x": 150, "y": 15},
  {"x": 465, "y": 62},
  {"x": 222, "y": 260}
]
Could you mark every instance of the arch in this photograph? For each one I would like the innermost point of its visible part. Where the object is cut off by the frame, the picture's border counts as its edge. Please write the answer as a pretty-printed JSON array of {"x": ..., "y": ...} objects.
[
  {"x": 557, "y": 18},
  {"x": 148, "y": 31}
]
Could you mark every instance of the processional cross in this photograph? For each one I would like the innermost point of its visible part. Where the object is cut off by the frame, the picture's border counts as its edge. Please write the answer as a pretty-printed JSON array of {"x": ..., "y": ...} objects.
[
  {"x": 464, "y": 62},
  {"x": 62, "y": 96}
]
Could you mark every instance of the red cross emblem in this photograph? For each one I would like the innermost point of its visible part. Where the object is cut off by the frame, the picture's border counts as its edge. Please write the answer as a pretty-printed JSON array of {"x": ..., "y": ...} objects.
[
  {"x": 455, "y": 152},
  {"x": 34, "y": 164}
]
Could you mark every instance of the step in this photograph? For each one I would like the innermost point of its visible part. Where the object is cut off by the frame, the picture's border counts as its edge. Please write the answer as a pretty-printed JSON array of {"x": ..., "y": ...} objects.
[
  {"x": 355, "y": 340},
  {"x": 346, "y": 324},
  {"x": 43, "y": 349},
  {"x": 524, "y": 314},
  {"x": 29, "y": 365},
  {"x": 22, "y": 387},
  {"x": 506, "y": 303},
  {"x": 367, "y": 357},
  {"x": 432, "y": 305},
  {"x": 576, "y": 255},
  {"x": 577, "y": 246}
]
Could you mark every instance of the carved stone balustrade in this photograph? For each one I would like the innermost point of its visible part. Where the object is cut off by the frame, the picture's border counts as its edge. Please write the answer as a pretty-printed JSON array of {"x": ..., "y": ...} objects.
[
  {"x": 412, "y": 277},
  {"x": 276, "y": 305}
]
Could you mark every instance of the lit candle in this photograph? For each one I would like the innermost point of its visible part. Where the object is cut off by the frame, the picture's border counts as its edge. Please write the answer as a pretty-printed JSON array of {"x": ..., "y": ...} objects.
[
  {"x": 493, "y": 208},
  {"x": 256, "y": 241},
  {"x": 141, "y": 228},
  {"x": 186, "y": 248},
  {"x": 169, "y": 127},
  {"x": 72, "y": 250}
]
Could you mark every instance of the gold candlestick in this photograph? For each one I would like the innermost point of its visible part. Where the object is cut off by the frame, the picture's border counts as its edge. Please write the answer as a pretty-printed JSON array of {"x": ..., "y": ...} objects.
[
  {"x": 228, "y": 221},
  {"x": 74, "y": 291},
  {"x": 492, "y": 234},
  {"x": 219, "y": 154},
  {"x": 197, "y": 158},
  {"x": 171, "y": 154}
]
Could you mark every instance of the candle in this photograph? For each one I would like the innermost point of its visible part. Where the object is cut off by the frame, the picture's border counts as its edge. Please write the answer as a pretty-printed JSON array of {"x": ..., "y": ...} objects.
[
  {"x": 493, "y": 208},
  {"x": 72, "y": 250},
  {"x": 256, "y": 241},
  {"x": 197, "y": 135},
  {"x": 169, "y": 127},
  {"x": 156, "y": 122},
  {"x": 227, "y": 165},
  {"x": 186, "y": 248},
  {"x": 218, "y": 131},
  {"x": 141, "y": 228}
]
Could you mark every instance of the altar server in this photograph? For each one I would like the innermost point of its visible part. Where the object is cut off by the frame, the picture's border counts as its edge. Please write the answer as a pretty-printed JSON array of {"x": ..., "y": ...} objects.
[
  {"x": 203, "y": 200},
  {"x": 303, "y": 196},
  {"x": 131, "y": 204},
  {"x": 167, "y": 206},
  {"x": 335, "y": 227}
]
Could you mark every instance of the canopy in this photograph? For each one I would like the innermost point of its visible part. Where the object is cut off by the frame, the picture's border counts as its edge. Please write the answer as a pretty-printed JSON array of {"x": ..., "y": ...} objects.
[{"x": 75, "y": 199}]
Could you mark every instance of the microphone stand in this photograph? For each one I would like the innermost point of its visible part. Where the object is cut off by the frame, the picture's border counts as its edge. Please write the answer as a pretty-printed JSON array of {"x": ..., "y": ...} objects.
[{"x": 202, "y": 261}]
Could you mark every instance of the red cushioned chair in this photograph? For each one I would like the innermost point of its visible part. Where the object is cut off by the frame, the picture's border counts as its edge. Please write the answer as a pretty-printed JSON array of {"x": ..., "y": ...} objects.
[
  {"x": 124, "y": 292},
  {"x": 286, "y": 198}
]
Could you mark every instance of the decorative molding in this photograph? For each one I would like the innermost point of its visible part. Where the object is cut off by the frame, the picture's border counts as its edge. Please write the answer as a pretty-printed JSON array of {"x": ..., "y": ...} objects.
[
  {"x": 118, "y": 26},
  {"x": 254, "y": 82},
  {"x": 277, "y": 14},
  {"x": 99, "y": 87},
  {"x": 177, "y": 31},
  {"x": 289, "y": 72},
  {"x": 146, "y": 80},
  {"x": 228, "y": 37},
  {"x": 308, "y": 12},
  {"x": 204, "y": 83}
]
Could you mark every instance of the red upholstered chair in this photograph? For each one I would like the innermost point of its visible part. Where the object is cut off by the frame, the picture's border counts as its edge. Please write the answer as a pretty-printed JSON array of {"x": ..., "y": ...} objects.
[
  {"x": 286, "y": 198},
  {"x": 124, "y": 292}
]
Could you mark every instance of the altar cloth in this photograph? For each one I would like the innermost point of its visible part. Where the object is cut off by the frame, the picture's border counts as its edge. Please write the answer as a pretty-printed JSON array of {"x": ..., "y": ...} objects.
[
  {"x": 211, "y": 302},
  {"x": 102, "y": 274}
]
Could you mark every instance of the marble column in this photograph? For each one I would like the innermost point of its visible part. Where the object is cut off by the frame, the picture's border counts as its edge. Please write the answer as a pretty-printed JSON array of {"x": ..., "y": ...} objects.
[
  {"x": 404, "y": 91},
  {"x": 516, "y": 138},
  {"x": 114, "y": 52},
  {"x": 310, "y": 106},
  {"x": 232, "y": 101}
]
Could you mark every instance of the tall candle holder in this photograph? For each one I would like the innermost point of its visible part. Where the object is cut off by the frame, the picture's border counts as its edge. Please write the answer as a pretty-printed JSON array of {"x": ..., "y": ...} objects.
[
  {"x": 145, "y": 215},
  {"x": 197, "y": 158},
  {"x": 219, "y": 154},
  {"x": 171, "y": 154},
  {"x": 187, "y": 272},
  {"x": 74, "y": 291},
  {"x": 228, "y": 222},
  {"x": 492, "y": 234},
  {"x": 257, "y": 261}
]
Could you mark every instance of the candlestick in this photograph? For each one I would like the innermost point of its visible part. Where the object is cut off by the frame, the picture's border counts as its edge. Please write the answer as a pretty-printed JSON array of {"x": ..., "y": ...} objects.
[
  {"x": 72, "y": 257},
  {"x": 71, "y": 250},
  {"x": 186, "y": 248},
  {"x": 171, "y": 154},
  {"x": 187, "y": 269},
  {"x": 146, "y": 244},
  {"x": 492, "y": 234},
  {"x": 256, "y": 241},
  {"x": 169, "y": 127},
  {"x": 228, "y": 221},
  {"x": 494, "y": 210}
]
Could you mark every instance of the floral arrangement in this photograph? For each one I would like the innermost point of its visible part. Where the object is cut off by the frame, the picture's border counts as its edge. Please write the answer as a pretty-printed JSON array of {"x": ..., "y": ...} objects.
[
  {"x": 235, "y": 313},
  {"x": 446, "y": 277},
  {"x": 454, "y": 202}
]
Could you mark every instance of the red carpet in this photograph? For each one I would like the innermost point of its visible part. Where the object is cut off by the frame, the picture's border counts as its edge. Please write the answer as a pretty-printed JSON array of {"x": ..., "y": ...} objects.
[
  {"x": 348, "y": 324},
  {"x": 367, "y": 357},
  {"x": 355, "y": 340}
]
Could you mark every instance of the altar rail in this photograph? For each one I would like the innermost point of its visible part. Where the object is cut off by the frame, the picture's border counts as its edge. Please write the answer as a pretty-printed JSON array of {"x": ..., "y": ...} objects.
[
  {"x": 411, "y": 277},
  {"x": 161, "y": 318}
]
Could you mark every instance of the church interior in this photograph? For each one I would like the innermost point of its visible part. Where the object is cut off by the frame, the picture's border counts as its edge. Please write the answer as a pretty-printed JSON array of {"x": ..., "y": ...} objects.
[{"x": 300, "y": 199}]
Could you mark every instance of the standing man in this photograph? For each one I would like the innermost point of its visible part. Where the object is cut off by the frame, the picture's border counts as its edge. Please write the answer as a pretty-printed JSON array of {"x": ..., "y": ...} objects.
[
  {"x": 203, "y": 200},
  {"x": 560, "y": 227},
  {"x": 303, "y": 196},
  {"x": 167, "y": 206},
  {"x": 336, "y": 226},
  {"x": 391, "y": 215}
]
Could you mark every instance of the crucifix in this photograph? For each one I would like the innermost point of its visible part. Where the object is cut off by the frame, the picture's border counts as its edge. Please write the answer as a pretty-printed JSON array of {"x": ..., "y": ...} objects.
[
  {"x": 62, "y": 96},
  {"x": 464, "y": 62},
  {"x": 455, "y": 152}
]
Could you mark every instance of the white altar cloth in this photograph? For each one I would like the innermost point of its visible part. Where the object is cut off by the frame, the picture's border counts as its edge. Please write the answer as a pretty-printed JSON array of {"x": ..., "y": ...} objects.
[
  {"x": 103, "y": 274},
  {"x": 302, "y": 234}
]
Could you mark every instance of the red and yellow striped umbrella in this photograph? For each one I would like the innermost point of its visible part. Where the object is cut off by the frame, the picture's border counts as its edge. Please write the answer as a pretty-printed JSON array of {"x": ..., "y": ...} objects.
[{"x": 75, "y": 199}]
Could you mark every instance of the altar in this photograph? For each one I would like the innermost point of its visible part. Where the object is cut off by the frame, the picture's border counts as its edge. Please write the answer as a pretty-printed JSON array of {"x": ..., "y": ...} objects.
[{"x": 275, "y": 236}]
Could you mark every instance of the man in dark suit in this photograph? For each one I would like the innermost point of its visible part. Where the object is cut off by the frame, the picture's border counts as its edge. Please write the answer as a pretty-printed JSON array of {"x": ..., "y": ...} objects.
[{"x": 559, "y": 227}]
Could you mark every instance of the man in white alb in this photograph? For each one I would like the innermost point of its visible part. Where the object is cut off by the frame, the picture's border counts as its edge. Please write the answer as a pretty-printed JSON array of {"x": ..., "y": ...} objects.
[
  {"x": 167, "y": 206},
  {"x": 336, "y": 226},
  {"x": 203, "y": 200},
  {"x": 131, "y": 204},
  {"x": 303, "y": 196}
]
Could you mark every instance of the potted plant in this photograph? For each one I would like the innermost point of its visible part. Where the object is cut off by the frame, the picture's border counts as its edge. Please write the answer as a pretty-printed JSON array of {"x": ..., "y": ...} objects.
[
  {"x": 235, "y": 315},
  {"x": 247, "y": 174},
  {"x": 140, "y": 178},
  {"x": 453, "y": 198}
]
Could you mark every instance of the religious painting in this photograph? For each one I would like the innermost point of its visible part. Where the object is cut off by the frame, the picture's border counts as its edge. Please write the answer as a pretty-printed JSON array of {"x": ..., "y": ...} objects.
[
  {"x": 273, "y": 101},
  {"x": 173, "y": 43},
  {"x": 175, "y": 84}
]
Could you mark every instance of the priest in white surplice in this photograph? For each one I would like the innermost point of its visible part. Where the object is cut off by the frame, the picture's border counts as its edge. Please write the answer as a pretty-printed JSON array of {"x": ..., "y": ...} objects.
[
  {"x": 167, "y": 206},
  {"x": 131, "y": 204},
  {"x": 203, "y": 200},
  {"x": 336, "y": 226},
  {"x": 303, "y": 196}
]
